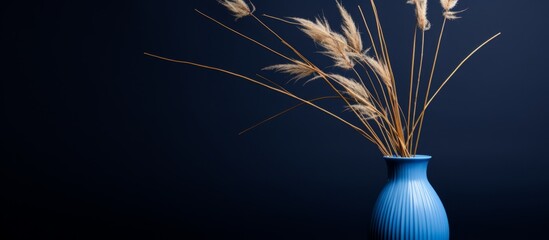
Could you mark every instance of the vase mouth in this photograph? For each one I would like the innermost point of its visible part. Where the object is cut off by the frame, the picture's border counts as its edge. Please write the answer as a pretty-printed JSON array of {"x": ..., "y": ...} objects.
[{"x": 414, "y": 158}]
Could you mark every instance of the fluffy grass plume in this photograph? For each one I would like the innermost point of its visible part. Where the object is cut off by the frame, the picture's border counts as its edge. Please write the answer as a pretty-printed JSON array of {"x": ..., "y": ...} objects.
[
  {"x": 350, "y": 30},
  {"x": 298, "y": 69},
  {"x": 238, "y": 8},
  {"x": 421, "y": 14},
  {"x": 448, "y": 5},
  {"x": 335, "y": 45},
  {"x": 359, "y": 93}
]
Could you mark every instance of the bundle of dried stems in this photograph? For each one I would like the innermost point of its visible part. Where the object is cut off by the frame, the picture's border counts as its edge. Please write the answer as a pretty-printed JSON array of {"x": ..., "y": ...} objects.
[{"x": 374, "y": 102}]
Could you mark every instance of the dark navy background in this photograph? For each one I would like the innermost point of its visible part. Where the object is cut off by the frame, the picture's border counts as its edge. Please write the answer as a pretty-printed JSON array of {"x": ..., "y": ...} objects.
[{"x": 101, "y": 142}]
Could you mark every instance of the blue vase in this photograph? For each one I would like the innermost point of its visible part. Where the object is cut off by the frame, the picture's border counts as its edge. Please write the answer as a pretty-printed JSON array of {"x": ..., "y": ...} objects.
[{"x": 408, "y": 206}]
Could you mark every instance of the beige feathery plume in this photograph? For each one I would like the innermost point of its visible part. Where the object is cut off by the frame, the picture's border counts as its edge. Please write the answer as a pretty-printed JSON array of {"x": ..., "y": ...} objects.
[
  {"x": 298, "y": 69},
  {"x": 319, "y": 30},
  {"x": 448, "y": 5},
  {"x": 421, "y": 14},
  {"x": 357, "y": 91},
  {"x": 381, "y": 69},
  {"x": 367, "y": 112},
  {"x": 352, "y": 88},
  {"x": 350, "y": 29},
  {"x": 238, "y": 8},
  {"x": 378, "y": 66},
  {"x": 335, "y": 44}
]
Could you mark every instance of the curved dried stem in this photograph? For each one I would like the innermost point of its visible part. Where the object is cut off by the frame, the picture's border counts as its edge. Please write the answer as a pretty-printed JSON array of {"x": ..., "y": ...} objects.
[
  {"x": 273, "y": 83},
  {"x": 412, "y": 71},
  {"x": 281, "y": 39},
  {"x": 369, "y": 32},
  {"x": 450, "y": 77},
  {"x": 280, "y": 19},
  {"x": 359, "y": 130},
  {"x": 430, "y": 82},
  {"x": 284, "y": 112},
  {"x": 418, "y": 84},
  {"x": 243, "y": 35}
]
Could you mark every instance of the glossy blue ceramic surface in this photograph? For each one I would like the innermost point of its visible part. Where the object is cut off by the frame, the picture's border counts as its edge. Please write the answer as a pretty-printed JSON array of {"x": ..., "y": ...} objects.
[{"x": 408, "y": 207}]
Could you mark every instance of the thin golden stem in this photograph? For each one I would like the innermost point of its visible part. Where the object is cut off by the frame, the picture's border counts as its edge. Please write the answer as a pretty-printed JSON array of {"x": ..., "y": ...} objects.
[
  {"x": 412, "y": 71},
  {"x": 386, "y": 114},
  {"x": 380, "y": 84},
  {"x": 387, "y": 133},
  {"x": 374, "y": 9},
  {"x": 361, "y": 131},
  {"x": 360, "y": 79},
  {"x": 430, "y": 82},
  {"x": 418, "y": 85},
  {"x": 366, "y": 124},
  {"x": 272, "y": 82},
  {"x": 450, "y": 77},
  {"x": 299, "y": 105},
  {"x": 377, "y": 104},
  {"x": 383, "y": 92},
  {"x": 368, "y": 30},
  {"x": 381, "y": 130},
  {"x": 281, "y": 39},
  {"x": 384, "y": 131},
  {"x": 372, "y": 83},
  {"x": 403, "y": 115},
  {"x": 244, "y": 36},
  {"x": 286, "y": 111},
  {"x": 397, "y": 110},
  {"x": 280, "y": 19}
]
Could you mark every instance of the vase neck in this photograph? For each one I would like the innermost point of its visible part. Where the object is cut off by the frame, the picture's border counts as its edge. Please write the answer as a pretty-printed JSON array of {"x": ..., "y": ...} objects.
[{"x": 407, "y": 169}]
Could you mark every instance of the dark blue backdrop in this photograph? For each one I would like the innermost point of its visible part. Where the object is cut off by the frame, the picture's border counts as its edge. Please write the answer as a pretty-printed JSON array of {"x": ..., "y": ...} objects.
[{"x": 102, "y": 142}]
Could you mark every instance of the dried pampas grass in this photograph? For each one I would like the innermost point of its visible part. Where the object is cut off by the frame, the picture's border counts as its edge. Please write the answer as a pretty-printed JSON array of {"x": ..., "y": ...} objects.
[
  {"x": 352, "y": 88},
  {"x": 380, "y": 68},
  {"x": 356, "y": 91},
  {"x": 350, "y": 29},
  {"x": 334, "y": 44},
  {"x": 382, "y": 122},
  {"x": 421, "y": 14},
  {"x": 238, "y": 8},
  {"x": 367, "y": 112},
  {"x": 298, "y": 69},
  {"x": 448, "y": 5}
]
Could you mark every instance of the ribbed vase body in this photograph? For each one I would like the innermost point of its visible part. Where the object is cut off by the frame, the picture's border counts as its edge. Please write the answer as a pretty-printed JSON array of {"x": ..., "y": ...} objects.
[{"x": 408, "y": 207}]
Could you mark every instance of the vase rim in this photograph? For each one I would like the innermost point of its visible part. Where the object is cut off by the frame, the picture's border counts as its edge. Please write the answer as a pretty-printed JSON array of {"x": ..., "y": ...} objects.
[{"x": 414, "y": 158}]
